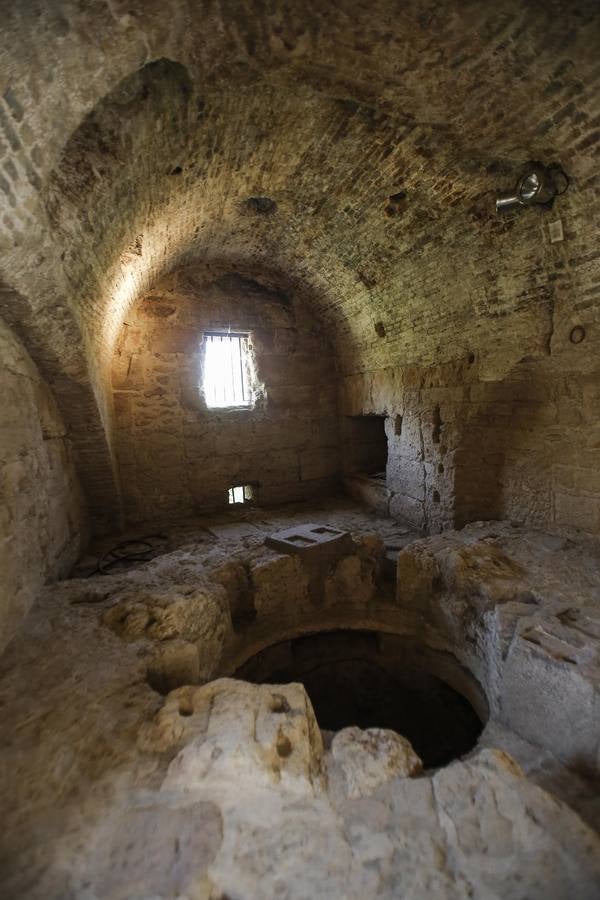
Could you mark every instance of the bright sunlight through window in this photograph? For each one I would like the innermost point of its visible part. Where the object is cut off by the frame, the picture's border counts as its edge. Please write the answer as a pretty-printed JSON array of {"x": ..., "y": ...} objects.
[
  {"x": 242, "y": 493},
  {"x": 226, "y": 370}
]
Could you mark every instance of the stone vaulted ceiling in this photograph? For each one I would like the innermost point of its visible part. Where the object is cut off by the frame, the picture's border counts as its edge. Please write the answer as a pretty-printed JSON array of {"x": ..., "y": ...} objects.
[{"x": 351, "y": 151}]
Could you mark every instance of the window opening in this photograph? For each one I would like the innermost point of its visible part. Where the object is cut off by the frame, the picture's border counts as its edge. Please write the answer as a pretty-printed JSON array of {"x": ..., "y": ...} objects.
[
  {"x": 241, "y": 493},
  {"x": 226, "y": 380}
]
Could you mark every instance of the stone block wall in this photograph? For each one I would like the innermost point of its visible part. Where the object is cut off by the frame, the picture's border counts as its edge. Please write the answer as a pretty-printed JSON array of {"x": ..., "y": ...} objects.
[
  {"x": 362, "y": 160},
  {"x": 177, "y": 457},
  {"x": 493, "y": 412},
  {"x": 422, "y": 409},
  {"x": 42, "y": 520},
  {"x": 524, "y": 448}
]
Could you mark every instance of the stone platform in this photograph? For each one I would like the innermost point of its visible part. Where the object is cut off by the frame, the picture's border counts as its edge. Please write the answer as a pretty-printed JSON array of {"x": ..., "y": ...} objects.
[{"x": 137, "y": 768}]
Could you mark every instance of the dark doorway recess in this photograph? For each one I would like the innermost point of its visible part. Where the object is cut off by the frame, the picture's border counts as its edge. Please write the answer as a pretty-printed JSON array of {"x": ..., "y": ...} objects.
[
  {"x": 366, "y": 445},
  {"x": 350, "y": 682}
]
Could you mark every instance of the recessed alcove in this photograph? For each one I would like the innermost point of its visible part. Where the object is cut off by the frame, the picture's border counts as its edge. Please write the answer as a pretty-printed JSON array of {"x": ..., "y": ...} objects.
[{"x": 365, "y": 449}]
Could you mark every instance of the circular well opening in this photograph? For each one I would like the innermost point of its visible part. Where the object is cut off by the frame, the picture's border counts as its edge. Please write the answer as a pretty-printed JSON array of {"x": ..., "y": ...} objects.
[{"x": 376, "y": 681}]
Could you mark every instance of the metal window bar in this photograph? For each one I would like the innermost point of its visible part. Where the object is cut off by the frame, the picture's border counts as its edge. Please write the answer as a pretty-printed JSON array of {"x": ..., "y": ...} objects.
[{"x": 224, "y": 370}]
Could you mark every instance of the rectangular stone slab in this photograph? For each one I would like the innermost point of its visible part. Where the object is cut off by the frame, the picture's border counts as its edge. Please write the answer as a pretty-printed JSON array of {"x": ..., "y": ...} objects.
[{"x": 312, "y": 542}]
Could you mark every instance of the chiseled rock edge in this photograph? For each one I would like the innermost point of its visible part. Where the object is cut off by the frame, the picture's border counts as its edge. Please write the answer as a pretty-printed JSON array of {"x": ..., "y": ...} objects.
[
  {"x": 245, "y": 811},
  {"x": 520, "y": 609},
  {"x": 369, "y": 758}
]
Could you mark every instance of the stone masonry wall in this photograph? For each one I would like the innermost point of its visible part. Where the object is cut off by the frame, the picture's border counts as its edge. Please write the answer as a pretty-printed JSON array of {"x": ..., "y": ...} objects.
[
  {"x": 375, "y": 139},
  {"x": 42, "y": 522},
  {"x": 508, "y": 428},
  {"x": 176, "y": 456}
]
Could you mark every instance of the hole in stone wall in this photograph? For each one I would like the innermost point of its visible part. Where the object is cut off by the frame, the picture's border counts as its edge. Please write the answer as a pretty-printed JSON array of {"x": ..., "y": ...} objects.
[
  {"x": 437, "y": 425},
  {"x": 398, "y": 425},
  {"x": 283, "y": 746},
  {"x": 577, "y": 334},
  {"x": 396, "y": 204},
  {"x": 263, "y": 206},
  {"x": 186, "y": 708},
  {"x": 279, "y": 704},
  {"x": 366, "y": 446},
  {"x": 226, "y": 376},
  {"x": 241, "y": 493},
  {"x": 436, "y": 496},
  {"x": 351, "y": 680}
]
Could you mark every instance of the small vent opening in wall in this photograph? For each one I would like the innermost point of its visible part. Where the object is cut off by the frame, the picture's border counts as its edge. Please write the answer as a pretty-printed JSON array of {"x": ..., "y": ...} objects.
[
  {"x": 241, "y": 493},
  {"x": 226, "y": 380}
]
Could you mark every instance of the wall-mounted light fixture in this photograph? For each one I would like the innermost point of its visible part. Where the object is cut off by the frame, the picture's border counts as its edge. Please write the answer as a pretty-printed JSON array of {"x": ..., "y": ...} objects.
[{"x": 538, "y": 185}]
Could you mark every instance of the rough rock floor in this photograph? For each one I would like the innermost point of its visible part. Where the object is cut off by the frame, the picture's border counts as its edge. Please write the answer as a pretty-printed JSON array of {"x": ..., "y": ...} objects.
[{"x": 113, "y": 789}]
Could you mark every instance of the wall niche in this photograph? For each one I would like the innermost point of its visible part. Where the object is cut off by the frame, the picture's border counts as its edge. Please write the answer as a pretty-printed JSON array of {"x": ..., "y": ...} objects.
[{"x": 365, "y": 460}]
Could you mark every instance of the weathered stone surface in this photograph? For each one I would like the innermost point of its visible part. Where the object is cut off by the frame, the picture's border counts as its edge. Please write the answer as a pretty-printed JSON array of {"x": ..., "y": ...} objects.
[
  {"x": 228, "y": 785},
  {"x": 353, "y": 581},
  {"x": 520, "y": 610},
  {"x": 42, "y": 516},
  {"x": 153, "y": 849},
  {"x": 370, "y": 758},
  {"x": 250, "y": 768},
  {"x": 269, "y": 826},
  {"x": 266, "y": 735},
  {"x": 279, "y": 582},
  {"x": 194, "y": 613},
  {"x": 476, "y": 828}
]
